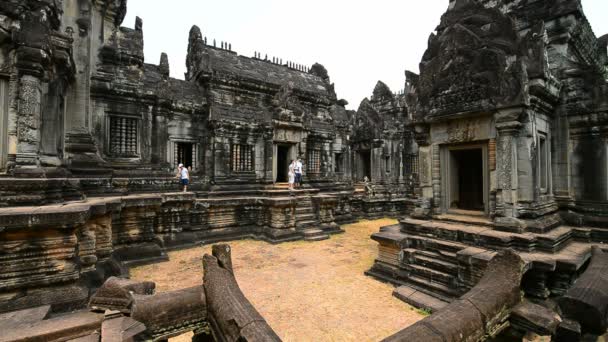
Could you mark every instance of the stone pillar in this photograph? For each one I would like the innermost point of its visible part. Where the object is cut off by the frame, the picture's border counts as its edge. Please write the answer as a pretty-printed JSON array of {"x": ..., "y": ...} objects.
[
  {"x": 507, "y": 128},
  {"x": 302, "y": 153},
  {"x": 326, "y": 159},
  {"x": 400, "y": 151},
  {"x": 268, "y": 155},
  {"x": 28, "y": 124},
  {"x": 221, "y": 155},
  {"x": 425, "y": 180}
]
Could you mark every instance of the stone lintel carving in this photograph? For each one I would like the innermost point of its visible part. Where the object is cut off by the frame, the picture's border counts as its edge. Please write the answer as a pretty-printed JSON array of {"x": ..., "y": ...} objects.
[{"x": 113, "y": 10}]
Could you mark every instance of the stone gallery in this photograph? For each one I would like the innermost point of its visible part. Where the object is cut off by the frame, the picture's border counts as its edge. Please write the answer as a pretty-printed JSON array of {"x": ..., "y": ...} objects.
[{"x": 495, "y": 154}]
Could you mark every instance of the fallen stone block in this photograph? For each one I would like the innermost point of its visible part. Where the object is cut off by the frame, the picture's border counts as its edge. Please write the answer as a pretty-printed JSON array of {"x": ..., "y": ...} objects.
[
  {"x": 587, "y": 301},
  {"x": 536, "y": 318},
  {"x": 28, "y": 316},
  {"x": 63, "y": 328}
]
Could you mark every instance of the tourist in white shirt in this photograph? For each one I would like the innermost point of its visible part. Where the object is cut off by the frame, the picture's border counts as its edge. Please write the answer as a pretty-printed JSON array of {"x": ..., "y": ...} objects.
[
  {"x": 298, "y": 172},
  {"x": 184, "y": 176}
]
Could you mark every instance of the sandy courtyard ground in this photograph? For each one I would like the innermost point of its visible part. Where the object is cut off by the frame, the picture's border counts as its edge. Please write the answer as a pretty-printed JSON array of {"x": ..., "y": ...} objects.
[{"x": 307, "y": 291}]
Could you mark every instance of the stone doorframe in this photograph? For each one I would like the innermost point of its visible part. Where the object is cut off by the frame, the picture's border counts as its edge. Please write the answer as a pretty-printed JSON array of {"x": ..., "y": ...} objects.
[
  {"x": 4, "y": 142},
  {"x": 292, "y": 154},
  {"x": 446, "y": 173},
  {"x": 172, "y": 145}
]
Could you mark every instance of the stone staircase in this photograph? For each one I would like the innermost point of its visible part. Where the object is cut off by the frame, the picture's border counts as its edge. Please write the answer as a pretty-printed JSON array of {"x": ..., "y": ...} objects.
[
  {"x": 307, "y": 221},
  {"x": 436, "y": 261}
]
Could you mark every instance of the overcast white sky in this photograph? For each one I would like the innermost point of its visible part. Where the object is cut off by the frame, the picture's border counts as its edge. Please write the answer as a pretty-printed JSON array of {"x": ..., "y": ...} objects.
[{"x": 359, "y": 42}]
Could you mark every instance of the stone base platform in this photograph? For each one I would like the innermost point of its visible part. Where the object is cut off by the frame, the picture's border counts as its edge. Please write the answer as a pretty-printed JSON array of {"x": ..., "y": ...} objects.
[
  {"x": 444, "y": 258},
  {"x": 58, "y": 254}
]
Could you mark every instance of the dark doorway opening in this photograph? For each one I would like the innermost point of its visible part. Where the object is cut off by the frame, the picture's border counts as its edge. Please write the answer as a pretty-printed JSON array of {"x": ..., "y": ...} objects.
[
  {"x": 184, "y": 154},
  {"x": 468, "y": 183},
  {"x": 365, "y": 158},
  {"x": 282, "y": 163}
]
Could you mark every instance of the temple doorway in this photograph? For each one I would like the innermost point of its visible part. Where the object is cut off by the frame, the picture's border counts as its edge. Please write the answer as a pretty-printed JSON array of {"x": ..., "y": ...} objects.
[
  {"x": 184, "y": 153},
  {"x": 364, "y": 168},
  {"x": 465, "y": 180},
  {"x": 283, "y": 156},
  {"x": 282, "y": 163}
]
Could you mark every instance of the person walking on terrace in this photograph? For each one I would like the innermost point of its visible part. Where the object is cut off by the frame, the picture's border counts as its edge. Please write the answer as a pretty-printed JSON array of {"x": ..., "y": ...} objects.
[
  {"x": 298, "y": 173},
  {"x": 184, "y": 176},
  {"x": 291, "y": 175}
]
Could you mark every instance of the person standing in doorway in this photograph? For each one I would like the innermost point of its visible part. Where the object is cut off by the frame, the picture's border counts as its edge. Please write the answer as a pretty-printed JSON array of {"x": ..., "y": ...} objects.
[
  {"x": 184, "y": 176},
  {"x": 298, "y": 172},
  {"x": 291, "y": 175}
]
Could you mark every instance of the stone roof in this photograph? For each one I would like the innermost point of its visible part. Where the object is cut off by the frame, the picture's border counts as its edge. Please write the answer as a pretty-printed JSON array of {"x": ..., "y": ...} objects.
[
  {"x": 229, "y": 62},
  {"x": 171, "y": 88}
]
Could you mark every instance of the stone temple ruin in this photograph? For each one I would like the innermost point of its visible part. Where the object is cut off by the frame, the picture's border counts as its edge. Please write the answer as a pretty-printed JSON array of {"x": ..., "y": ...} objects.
[{"x": 496, "y": 153}]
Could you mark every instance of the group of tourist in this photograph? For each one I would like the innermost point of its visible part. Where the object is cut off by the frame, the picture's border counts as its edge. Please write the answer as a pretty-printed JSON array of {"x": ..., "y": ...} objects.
[{"x": 295, "y": 174}]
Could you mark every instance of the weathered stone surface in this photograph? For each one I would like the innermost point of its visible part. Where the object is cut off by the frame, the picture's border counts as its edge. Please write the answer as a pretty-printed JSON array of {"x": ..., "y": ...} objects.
[
  {"x": 587, "y": 300},
  {"x": 117, "y": 294},
  {"x": 480, "y": 313},
  {"x": 532, "y": 317},
  {"x": 171, "y": 313},
  {"x": 56, "y": 329},
  {"x": 231, "y": 315},
  {"x": 26, "y": 316},
  {"x": 117, "y": 327}
]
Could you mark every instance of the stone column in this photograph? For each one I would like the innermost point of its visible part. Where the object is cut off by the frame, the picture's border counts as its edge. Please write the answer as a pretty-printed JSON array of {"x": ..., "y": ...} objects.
[
  {"x": 268, "y": 155},
  {"x": 506, "y": 166},
  {"x": 424, "y": 187},
  {"x": 221, "y": 160},
  {"x": 400, "y": 169},
  {"x": 28, "y": 122}
]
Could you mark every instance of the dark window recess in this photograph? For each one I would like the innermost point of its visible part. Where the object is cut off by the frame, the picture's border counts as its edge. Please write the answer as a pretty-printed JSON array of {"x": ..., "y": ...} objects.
[
  {"x": 387, "y": 164},
  {"x": 314, "y": 161},
  {"x": 411, "y": 164},
  {"x": 185, "y": 153},
  {"x": 241, "y": 158},
  {"x": 123, "y": 137},
  {"x": 339, "y": 163}
]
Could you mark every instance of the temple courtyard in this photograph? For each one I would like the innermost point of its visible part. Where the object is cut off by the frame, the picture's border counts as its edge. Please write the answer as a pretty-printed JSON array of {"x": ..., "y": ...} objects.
[{"x": 306, "y": 291}]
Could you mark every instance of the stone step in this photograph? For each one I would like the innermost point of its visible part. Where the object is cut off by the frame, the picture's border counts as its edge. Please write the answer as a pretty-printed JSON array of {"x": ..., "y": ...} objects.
[
  {"x": 466, "y": 219},
  {"x": 447, "y": 249},
  {"x": 314, "y": 235},
  {"x": 435, "y": 289},
  {"x": 449, "y": 259},
  {"x": 306, "y": 223},
  {"x": 317, "y": 238},
  {"x": 310, "y": 232},
  {"x": 419, "y": 299},
  {"x": 474, "y": 235},
  {"x": 430, "y": 260},
  {"x": 305, "y": 217},
  {"x": 431, "y": 274},
  {"x": 590, "y": 234},
  {"x": 554, "y": 240}
]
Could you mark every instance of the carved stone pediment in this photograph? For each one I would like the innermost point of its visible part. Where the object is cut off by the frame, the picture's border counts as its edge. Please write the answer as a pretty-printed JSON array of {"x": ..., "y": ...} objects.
[{"x": 472, "y": 63}]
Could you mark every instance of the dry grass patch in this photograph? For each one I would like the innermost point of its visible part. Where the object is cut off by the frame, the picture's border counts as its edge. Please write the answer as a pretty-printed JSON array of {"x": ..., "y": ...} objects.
[{"x": 307, "y": 291}]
